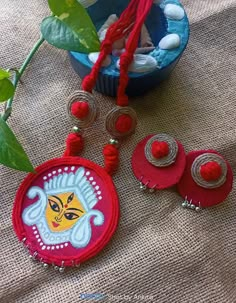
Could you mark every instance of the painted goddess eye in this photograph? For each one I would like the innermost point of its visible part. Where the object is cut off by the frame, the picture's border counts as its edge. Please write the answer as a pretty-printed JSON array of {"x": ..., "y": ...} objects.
[
  {"x": 71, "y": 216},
  {"x": 54, "y": 206}
]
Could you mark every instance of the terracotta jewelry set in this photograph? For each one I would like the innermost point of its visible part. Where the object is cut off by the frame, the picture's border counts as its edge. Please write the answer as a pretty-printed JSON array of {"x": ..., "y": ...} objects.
[{"x": 68, "y": 210}]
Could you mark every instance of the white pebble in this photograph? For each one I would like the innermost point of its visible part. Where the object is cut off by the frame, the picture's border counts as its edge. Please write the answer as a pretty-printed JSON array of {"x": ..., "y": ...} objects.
[
  {"x": 141, "y": 64},
  {"x": 174, "y": 12},
  {"x": 170, "y": 41},
  {"x": 94, "y": 56},
  {"x": 102, "y": 35}
]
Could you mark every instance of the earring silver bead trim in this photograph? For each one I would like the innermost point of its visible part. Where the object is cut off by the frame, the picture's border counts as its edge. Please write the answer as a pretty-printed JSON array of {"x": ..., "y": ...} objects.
[
  {"x": 189, "y": 205},
  {"x": 62, "y": 268}
]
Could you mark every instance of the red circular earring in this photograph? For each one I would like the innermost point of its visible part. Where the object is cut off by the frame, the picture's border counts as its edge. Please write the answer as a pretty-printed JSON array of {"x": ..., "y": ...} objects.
[
  {"x": 158, "y": 162},
  {"x": 207, "y": 180}
]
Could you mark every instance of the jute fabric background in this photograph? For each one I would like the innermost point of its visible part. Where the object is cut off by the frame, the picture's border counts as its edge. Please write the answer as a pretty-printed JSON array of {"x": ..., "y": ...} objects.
[{"x": 160, "y": 253}]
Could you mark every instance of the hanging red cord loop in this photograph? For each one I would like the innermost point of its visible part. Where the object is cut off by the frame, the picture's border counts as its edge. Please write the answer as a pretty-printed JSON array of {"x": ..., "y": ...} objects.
[
  {"x": 130, "y": 22},
  {"x": 126, "y": 58},
  {"x": 115, "y": 32}
]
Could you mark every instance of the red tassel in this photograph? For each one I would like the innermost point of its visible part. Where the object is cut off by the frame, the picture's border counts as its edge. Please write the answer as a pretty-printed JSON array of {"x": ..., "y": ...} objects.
[
  {"x": 74, "y": 144},
  {"x": 111, "y": 158}
]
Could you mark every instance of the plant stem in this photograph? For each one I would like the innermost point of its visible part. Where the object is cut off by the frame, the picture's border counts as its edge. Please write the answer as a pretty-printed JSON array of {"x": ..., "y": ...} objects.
[{"x": 18, "y": 75}]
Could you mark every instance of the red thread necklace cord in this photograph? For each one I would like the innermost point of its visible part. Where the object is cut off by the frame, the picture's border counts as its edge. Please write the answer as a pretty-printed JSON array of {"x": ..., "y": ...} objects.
[
  {"x": 118, "y": 30},
  {"x": 74, "y": 141},
  {"x": 126, "y": 58},
  {"x": 111, "y": 152},
  {"x": 133, "y": 17}
]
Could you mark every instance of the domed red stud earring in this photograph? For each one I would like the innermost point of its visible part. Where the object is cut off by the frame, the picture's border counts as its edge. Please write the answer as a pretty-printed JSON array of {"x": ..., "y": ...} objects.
[
  {"x": 158, "y": 162},
  {"x": 207, "y": 180}
]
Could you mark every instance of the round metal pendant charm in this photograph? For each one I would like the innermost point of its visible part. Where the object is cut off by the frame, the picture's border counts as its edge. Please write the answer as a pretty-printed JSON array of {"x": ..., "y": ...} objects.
[{"x": 66, "y": 212}]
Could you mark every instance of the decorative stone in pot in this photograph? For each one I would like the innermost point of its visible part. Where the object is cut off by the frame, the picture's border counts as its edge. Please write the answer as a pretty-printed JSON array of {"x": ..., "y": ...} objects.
[{"x": 163, "y": 40}]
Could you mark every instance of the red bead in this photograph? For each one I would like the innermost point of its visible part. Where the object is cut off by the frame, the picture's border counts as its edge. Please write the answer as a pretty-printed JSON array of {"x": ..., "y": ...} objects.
[
  {"x": 111, "y": 158},
  {"x": 124, "y": 123},
  {"x": 66, "y": 206},
  {"x": 160, "y": 149},
  {"x": 211, "y": 171},
  {"x": 74, "y": 144},
  {"x": 80, "y": 109}
]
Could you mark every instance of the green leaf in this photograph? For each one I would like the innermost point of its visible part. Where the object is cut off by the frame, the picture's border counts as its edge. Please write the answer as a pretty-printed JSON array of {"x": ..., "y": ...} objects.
[
  {"x": 71, "y": 28},
  {"x": 6, "y": 89},
  {"x": 4, "y": 74},
  {"x": 11, "y": 152}
]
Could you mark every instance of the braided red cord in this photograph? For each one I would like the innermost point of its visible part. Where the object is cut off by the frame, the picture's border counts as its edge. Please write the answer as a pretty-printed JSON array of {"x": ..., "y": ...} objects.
[
  {"x": 133, "y": 17},
  {"x": 111, "y": 153},
  {"x": 131, "y": 45},
  {"x": 116, "y": 31}
]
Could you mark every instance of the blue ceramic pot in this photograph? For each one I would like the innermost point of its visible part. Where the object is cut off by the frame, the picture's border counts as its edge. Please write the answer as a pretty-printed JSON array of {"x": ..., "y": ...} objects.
[{"x": 166, "y": 17}]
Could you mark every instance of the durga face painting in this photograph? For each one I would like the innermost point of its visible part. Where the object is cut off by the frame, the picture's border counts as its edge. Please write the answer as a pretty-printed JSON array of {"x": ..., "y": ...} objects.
[{"x": 63, "y": 210}]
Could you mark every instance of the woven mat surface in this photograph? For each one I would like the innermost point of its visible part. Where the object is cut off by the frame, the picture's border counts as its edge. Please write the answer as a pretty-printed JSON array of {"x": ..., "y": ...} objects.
[{"x": 160, "y": 252}]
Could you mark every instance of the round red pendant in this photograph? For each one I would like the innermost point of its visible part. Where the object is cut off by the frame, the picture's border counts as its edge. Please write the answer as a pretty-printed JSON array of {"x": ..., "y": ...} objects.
[{"x": 67, "y": 212}]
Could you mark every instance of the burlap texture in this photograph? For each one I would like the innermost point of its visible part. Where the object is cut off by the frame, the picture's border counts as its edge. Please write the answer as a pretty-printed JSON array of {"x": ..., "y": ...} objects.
[{"x": 160, "y": 250}]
